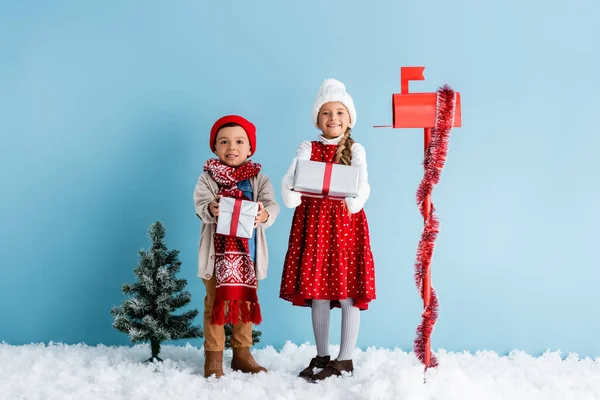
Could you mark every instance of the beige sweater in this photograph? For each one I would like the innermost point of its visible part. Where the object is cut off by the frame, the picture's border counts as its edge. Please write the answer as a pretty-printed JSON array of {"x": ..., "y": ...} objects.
[{"x": 206, "y": 191}]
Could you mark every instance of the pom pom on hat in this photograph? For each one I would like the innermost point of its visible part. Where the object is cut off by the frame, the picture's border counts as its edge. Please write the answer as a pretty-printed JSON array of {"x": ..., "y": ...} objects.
[
  {"x": 332, "y": 90},
  {"x": 236, "y": 119}
]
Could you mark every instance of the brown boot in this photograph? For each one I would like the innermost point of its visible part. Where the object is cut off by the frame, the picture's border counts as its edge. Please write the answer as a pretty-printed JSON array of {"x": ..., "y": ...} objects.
[
  {"x": 243, "y": 361},
  {"x": 317, "y": 362},
  {"x": 334, "y": 368},
  {"x": 213, "y": 363}
]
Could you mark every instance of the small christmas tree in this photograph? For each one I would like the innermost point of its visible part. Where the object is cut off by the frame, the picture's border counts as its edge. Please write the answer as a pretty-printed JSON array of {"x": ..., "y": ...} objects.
[
  {"x": 148, "y": 314},
  {"x": 229, "y": 331}
]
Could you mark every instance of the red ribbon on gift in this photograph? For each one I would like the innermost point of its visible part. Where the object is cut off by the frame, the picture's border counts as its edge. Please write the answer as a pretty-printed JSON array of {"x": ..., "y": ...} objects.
[
  {"x": 327, "y": 178},
  {"x": 235, "y": 217}
]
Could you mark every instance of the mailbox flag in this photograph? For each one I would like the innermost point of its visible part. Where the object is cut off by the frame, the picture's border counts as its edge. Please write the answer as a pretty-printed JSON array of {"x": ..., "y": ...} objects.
[{"x": 410, "y": 74}]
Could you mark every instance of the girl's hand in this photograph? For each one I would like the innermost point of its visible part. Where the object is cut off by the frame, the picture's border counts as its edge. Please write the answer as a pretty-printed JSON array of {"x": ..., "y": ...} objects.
[
  {"x": 213, "y": 207},
  {"x": 262, "y": 215},
  {"x": 347, "y": 209}
]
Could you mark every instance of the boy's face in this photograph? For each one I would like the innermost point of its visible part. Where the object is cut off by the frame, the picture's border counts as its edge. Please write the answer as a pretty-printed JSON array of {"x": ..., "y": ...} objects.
[
  {"x": 333, "y": 119},
  {"x": 232, "y": 146}
]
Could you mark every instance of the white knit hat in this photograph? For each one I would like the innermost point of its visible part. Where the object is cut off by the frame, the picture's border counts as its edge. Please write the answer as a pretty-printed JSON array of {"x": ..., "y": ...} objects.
[{"x": 332, "y": 90}]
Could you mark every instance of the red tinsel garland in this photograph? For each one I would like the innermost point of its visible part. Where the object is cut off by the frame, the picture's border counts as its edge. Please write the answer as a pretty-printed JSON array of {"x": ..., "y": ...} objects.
[{"x": 435, "y": 157}]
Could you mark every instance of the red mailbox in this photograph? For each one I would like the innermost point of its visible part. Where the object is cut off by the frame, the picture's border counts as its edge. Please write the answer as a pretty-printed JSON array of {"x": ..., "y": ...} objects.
[
  {"x": 437, "y": 113},
  {"x": 417, "y": 110}
]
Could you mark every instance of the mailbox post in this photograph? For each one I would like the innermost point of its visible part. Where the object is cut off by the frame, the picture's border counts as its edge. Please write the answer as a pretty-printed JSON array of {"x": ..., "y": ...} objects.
[{"x": 437, "y": 113}]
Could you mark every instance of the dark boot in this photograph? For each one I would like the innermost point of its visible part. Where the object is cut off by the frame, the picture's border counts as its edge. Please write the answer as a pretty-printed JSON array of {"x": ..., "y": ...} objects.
[
  {"x": 213, "y": 363},
  {"x": 333, "y": 368},
  {"x": 243, "y": 361},
  {"x": 317, "y": 362}
]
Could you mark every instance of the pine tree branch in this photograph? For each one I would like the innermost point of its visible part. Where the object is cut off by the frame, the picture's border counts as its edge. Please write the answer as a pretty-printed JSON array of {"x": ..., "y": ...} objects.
[
  {"x": 192, "y": 332},
  {"x": 173, "y": 259},
  {"x": 180, "y": 284},
  {"x": 180, "y": 300},
  {"x": 136, "y": 307},
  {"x": 135, "y": 289},
  {"x": 158, "y": 332},
  {"x": 183, "y": 319}
]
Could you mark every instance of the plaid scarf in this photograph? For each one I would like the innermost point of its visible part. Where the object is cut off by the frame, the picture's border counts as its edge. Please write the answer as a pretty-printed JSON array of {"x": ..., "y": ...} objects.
[{"x": 234, "y": 270}]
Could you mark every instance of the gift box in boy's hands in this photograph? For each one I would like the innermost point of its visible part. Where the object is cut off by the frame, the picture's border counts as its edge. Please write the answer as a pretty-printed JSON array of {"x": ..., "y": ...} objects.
[
  {"x": 236, "y": 217},
  {"x": 326, "y": 179}
]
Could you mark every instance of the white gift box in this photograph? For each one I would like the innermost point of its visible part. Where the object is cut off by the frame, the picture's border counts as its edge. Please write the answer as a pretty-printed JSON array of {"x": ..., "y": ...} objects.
[
  {"x": 325, "y": 179},
  {"x": 236, "y": 217}
]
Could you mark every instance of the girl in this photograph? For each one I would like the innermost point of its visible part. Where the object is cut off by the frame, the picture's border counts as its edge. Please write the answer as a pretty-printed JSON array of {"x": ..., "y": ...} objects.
[{"x": 329, "y": 261}]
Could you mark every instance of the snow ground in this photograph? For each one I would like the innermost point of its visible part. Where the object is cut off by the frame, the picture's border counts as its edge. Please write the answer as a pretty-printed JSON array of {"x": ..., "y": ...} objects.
[{"x": 80, "y": 372}]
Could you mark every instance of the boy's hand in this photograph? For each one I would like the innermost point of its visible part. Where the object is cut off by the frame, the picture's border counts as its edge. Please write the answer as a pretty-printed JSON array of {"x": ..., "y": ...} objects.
[
  {"x": 213, "y": 207},
  {"x": 262, "y": 215}
]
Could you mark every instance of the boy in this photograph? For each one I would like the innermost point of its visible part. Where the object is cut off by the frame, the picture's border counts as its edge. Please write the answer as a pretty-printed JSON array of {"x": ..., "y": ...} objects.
[{"x": 231, "y": 267}]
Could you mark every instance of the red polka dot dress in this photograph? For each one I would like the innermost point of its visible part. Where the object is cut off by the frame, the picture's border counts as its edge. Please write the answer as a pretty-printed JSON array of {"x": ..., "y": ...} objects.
[{"x": 329, "y": 250}]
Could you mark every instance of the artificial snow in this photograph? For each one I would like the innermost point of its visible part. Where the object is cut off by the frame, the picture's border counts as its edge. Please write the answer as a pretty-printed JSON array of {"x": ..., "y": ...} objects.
[{"x": 81, "y": 372}]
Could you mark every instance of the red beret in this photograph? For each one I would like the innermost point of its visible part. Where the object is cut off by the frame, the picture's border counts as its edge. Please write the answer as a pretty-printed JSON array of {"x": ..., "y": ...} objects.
[{"x": 236, "y": 119}]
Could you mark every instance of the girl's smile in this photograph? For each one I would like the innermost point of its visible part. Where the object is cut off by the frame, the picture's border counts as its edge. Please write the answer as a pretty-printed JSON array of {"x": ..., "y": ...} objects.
[{"x": 333, "y": 119}]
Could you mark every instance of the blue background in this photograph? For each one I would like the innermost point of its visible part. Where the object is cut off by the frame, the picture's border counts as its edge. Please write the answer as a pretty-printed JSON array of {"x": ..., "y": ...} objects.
[{"x": 105, "y": 109}]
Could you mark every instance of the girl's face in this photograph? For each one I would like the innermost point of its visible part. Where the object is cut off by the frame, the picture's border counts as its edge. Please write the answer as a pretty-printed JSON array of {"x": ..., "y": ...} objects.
[
  {"x": 232, "y": 146},
  {"x": 333, "y": 120}
]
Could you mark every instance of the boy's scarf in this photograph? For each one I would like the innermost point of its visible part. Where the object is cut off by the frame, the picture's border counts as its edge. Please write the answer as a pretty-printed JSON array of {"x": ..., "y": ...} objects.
[{"x": 234, "y": 270}]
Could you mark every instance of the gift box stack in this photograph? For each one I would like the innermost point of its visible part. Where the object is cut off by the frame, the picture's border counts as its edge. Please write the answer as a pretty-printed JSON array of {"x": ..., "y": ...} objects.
[{"x": 324, "y": 179}]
